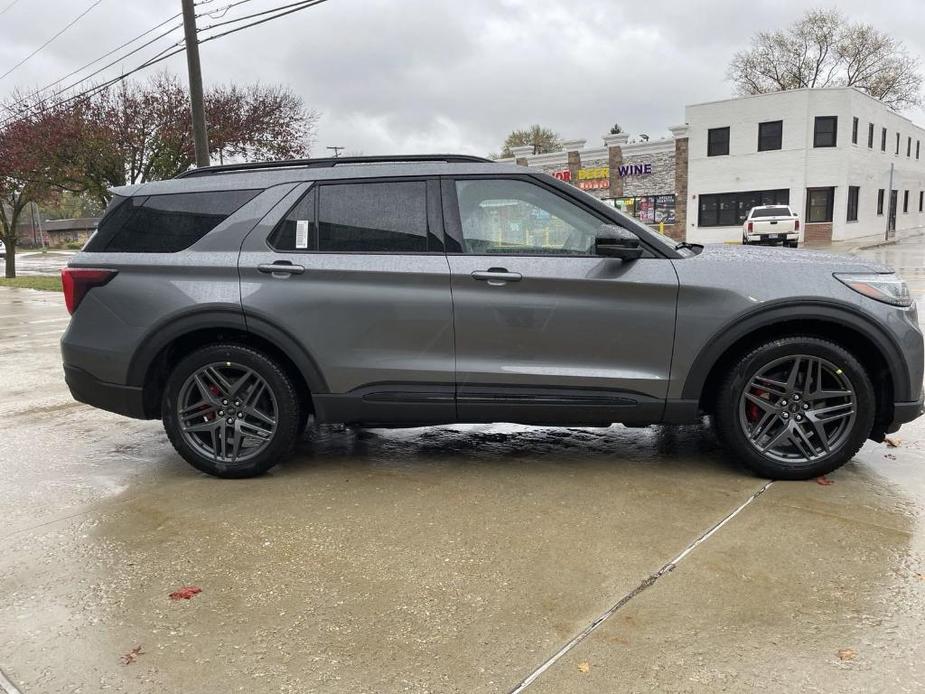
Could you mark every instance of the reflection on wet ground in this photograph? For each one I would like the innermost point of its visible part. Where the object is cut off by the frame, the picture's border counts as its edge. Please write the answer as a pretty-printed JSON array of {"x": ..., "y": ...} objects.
[{"x": 457, "y": 558}]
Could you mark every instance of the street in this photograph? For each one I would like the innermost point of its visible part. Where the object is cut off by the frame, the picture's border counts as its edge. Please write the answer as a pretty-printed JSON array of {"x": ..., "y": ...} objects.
[{"x": 449, "y": 559}]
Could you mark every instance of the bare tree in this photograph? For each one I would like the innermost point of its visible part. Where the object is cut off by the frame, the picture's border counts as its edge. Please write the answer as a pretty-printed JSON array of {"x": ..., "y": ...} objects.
[
  {"x": 542, "y": 139},
  {"x": 824, "y": 49}
]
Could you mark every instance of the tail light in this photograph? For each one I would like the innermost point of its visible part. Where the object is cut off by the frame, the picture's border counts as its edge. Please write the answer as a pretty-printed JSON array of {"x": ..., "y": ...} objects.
[
  {"x": 796, "y": 224},
  {"x": 77, "y": 281},
  {"x": 751, "y": 227}
]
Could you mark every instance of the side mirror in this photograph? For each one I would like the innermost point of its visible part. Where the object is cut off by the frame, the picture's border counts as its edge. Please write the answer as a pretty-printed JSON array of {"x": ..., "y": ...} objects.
[{"x": 613, "y": 241}]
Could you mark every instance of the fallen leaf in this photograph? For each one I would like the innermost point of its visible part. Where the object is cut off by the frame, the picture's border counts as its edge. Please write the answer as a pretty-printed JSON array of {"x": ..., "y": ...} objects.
[
  {"x": 185, "y": 593},
  {"x": 846, "y": 654},
  {"x": 584, "y": 666},
  {"x": 824, "y": 481},
  {"x": 893, "y": 443},
  {"x": 131, "y": 656}
]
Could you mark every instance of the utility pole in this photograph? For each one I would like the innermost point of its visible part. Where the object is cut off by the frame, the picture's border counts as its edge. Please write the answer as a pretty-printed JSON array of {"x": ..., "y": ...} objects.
[{"x": 200, "y": 134}]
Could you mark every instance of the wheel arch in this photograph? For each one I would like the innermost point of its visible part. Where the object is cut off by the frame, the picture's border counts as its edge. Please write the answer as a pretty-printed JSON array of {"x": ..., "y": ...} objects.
[
  {"x": 169, "y": 342},
  {"x": 874, "y": 348}
]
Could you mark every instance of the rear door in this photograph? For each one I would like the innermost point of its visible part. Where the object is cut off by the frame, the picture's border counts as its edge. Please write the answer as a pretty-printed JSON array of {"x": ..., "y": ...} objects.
[
  {"x": 546, "y": 331},
  {"x": 355, "y": 273}
]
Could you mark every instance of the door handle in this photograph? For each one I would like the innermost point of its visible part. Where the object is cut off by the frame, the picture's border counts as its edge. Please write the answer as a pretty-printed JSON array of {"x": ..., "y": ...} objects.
[
  {"x": 496, "y": 276},
  {"x": 281, "y": 267}
]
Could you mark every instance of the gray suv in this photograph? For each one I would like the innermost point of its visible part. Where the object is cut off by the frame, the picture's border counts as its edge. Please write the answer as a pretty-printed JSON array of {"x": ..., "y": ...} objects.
[{"x": 234, "y": 302}]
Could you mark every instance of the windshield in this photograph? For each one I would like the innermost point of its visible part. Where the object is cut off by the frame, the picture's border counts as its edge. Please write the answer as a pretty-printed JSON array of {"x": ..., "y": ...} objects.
[{"x": 771, "y": 212}]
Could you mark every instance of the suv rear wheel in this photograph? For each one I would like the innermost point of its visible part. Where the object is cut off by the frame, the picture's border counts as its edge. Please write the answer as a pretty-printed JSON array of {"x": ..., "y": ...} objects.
[
  {"x": 231, "y": 411},
  {"x": 795, "y": 408}
]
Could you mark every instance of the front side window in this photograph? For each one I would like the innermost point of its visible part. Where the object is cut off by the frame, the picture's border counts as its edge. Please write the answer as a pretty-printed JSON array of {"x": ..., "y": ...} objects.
[
  {"x": 377, "y": 217},
  {"x": 717, "y": 142},
  {"x": 819, "y": 204},
  {"x": 853, "y": 194},
  {"x": 825, "y": 131},
  {"x": 165, "y": 223},
  {"x": 770, "y": 135},
  {"x": 511, "y": 217}
]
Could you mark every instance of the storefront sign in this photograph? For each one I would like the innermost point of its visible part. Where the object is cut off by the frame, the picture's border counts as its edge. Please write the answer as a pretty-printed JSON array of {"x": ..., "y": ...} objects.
[
  {"x": 561, "y": 174},
  {"x": 635, "y": 170},
  {"x": 594, "y": 178}
]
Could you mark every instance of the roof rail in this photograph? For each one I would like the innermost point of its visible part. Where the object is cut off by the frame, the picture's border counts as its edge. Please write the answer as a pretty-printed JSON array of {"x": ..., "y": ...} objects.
[{"x": 330, "y": 161}]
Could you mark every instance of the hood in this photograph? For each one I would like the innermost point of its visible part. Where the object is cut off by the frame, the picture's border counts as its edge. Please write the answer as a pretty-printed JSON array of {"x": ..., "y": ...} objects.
[{"x": 791, "y": 257}]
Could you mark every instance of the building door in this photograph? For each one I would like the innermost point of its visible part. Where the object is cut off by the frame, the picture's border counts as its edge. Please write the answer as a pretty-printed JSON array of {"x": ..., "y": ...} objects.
[
  {"x": 891, "y": 219},
  {"x": 547, "y": 331}
]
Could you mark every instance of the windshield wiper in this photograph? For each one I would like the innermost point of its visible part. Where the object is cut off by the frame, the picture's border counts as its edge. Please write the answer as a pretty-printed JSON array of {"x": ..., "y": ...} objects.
[{"x": 685, "y": 244}]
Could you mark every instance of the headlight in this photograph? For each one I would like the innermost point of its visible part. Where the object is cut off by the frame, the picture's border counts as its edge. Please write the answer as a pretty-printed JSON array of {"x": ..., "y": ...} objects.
[{"x": 887, "y": 288}]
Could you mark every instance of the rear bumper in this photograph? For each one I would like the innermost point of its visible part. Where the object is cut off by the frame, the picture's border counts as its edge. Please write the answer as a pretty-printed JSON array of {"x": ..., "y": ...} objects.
[
  {"x": 778, "y": 238},
  {"x": 904, "y": 412},
  {"x": 85, "y": 388}
]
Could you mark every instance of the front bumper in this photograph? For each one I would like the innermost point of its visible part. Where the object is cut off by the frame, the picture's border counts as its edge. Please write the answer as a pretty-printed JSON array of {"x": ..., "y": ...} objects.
[{"x": 86, "y": 388}]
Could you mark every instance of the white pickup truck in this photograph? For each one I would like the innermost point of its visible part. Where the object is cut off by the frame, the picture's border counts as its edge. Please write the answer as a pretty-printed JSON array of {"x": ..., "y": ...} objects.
[{"x": 771, "y": 224}]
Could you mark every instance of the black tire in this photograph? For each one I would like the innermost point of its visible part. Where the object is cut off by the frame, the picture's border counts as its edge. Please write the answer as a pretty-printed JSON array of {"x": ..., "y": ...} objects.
[
  {"x": 791, "y": 244},
  {"x": 279, "y": 390},
  {"x": 737, "y": 416}
]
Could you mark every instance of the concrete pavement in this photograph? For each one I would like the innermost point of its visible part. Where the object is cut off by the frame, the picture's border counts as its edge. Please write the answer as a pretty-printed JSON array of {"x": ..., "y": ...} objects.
[{"x": 447, "y": 559}]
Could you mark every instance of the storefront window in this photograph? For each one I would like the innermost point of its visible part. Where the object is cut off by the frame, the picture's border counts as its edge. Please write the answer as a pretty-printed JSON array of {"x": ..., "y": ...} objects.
[
  {"x": 731, "y": 209},
  {"x": 649, "y": 209}
]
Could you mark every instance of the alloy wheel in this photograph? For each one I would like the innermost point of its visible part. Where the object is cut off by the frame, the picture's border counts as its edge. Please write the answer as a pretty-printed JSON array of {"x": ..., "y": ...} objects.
[
  {"x": 227, "y": 412},
  {"x": 798, "y": 409}
]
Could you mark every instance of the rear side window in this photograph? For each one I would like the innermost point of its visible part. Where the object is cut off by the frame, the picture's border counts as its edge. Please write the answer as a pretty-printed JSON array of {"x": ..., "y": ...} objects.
[
  {"x": 298, "y": 231},
  {"x": 388, "y": 217},
  {"x": 164, "y": 223}
]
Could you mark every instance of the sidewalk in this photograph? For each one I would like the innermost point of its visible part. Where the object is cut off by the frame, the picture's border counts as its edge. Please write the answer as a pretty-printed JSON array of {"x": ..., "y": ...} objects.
[{"x": 864, "y": 242}]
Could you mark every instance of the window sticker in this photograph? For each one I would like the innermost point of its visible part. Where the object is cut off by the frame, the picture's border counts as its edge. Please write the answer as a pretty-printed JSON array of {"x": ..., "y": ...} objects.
[{"x": 301, "y": 233}]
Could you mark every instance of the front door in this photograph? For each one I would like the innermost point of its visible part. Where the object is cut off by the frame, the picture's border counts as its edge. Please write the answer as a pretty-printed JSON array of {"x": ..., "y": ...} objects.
[
  {"x": 546, "y": 331},
  {"x": 354, "y": 273}
]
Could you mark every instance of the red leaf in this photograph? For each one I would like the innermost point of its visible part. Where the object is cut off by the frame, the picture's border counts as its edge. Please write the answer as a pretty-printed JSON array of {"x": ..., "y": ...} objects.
[
  {"x": 824, "y": 481},
  {"x": 131, "y": 656},
  {"x": 185, "y": 593}
]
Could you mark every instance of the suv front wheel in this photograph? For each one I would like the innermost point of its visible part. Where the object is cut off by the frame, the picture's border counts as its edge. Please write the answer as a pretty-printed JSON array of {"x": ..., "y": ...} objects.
[
  {"x": 795, "y": 408},
  {"x": 231, "y": 411}
]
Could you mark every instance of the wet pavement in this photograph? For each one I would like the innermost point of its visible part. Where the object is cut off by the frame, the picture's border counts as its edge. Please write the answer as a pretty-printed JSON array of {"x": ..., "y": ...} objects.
[
  {"x": 446, "y": 559},
  {"x": 38, "y": 263}
]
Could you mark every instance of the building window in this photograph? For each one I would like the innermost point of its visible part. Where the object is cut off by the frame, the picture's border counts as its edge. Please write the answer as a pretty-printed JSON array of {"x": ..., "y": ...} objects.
[
  {"x": 819, "y": 203},
  {"x": 825, "y": 131},
  {"x": 880, "y": 201},
  {"x": 853, "y": 193},
  {"x": 870, "y": 135},
  {"x": 905, "y": 201},
  {"x": 731, "y": 209},
  {"x": 770, "y": 135},
  {"x": 897, "y": 144},
  {"x": 854, "y": 130},
  {"x": 921, "y": 199},
  {"x": 883, "y": 140},
  {"x": 918, "y": 147},
  {"x": 909, "y": 147},
  {"x": 717, "y": 142}
]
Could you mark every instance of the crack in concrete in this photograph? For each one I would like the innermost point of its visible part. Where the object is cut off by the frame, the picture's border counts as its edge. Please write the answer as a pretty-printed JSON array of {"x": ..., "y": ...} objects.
[{"x": 647, "y": 582}]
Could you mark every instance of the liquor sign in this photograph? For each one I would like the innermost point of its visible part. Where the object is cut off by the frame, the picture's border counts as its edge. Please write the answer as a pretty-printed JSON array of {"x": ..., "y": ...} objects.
[{"x": 635, "y": 170}]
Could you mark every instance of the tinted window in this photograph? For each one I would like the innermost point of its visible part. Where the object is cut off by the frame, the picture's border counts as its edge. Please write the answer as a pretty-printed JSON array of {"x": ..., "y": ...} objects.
[
  {"x": 824, "y": 132},
  {"x": 165, "y": 223},
  {"x": 717, "y": 142},
  {"x": 517, "y": 218},
  {"x": 297, "y": 232},
  {"x": 771, "y": 212},
  {"x": 853, "y": 194},
  {"x": 769, "y": 135},
  {"x": 730, "y": 209},
  {"x": 819, "y": 204},
  {"x": 373, "y": 217}
]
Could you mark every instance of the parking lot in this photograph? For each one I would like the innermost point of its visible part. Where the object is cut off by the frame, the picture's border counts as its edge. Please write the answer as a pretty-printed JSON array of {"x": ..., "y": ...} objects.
[{"x": 450, "y": 559}]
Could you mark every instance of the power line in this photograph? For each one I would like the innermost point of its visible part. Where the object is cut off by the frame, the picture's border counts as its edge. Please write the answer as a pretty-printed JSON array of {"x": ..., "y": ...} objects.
[
  {"x": 68, "y": 26},
  {"x": 8, "y": 8},
  {"x": 224, "y": 9},
  {"x": 235, "y": 20},
  {"x": 164, "y": 55}
]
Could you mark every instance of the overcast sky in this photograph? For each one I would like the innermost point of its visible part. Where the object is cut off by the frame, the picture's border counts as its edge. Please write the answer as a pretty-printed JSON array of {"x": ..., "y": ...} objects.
[{"x": 405, "y": 76}]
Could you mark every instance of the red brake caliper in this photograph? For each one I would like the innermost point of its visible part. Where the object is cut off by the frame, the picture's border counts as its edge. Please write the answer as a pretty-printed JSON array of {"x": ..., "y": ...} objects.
[{"x": 751, "y": 410}]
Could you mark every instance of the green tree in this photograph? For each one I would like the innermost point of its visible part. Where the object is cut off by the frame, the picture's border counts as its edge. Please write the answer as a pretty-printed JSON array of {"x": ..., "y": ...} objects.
[{"x": 616, "y": 129}]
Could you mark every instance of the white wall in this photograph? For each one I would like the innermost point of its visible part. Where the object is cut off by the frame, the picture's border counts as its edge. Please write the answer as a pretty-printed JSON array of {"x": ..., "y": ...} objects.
[{"x": 798, "y": 165}]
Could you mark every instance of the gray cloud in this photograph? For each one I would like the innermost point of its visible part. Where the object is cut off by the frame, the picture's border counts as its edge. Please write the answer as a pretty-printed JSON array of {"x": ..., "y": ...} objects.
[{"x": 435, "y": 75}]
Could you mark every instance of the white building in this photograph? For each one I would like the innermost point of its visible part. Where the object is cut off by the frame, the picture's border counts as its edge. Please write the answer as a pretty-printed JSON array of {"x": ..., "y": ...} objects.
[{"x": 828, "y": 152}]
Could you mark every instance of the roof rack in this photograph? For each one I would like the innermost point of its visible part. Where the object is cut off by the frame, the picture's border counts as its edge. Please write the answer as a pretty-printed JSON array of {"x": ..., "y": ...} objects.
[{"x": 329, "y": 162}]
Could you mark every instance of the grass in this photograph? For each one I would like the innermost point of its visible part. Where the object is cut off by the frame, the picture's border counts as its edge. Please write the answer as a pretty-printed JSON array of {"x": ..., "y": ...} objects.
[{"x": 47, "y": 284}]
